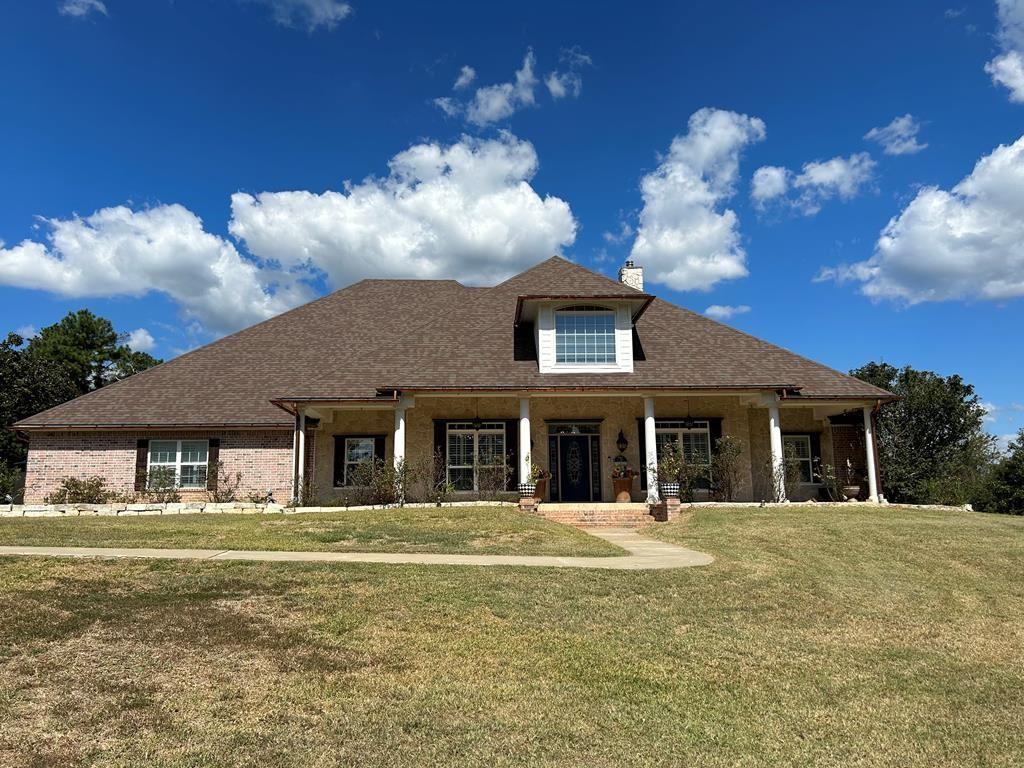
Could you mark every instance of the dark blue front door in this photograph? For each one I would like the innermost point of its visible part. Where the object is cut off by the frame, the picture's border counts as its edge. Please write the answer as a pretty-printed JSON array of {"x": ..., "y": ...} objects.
[{"x": 574, "y": 468}]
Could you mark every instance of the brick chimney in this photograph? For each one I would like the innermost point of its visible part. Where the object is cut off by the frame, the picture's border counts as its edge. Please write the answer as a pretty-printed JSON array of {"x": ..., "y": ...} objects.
[{"x": 632, "y": 276}]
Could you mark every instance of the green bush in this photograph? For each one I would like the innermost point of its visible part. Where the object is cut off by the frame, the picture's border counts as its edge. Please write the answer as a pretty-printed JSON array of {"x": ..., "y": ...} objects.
[{"x": 72, "y": 490}]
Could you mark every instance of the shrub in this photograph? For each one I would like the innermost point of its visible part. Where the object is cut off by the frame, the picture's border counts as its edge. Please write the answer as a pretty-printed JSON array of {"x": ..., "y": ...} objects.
[
  {"x": 12, "y": 484},
  {"x": 225, "y": 485},
  {"x": 72, "y": 490},
  {"x": 375, "y": 482},
  {"x": 725, "y": 468},
  {"x": 161, "y": 486}
]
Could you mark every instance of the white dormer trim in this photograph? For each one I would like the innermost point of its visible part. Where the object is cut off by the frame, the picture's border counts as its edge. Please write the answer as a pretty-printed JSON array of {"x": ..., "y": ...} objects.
[{"x": 545, "y": 330}]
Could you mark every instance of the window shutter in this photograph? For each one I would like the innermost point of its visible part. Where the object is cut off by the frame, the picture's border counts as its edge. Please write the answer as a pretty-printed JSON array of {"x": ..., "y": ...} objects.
[
  {"x": 815, "y": 456},
  {"x": 378, "y": 447},
  {"x": 641, "y": 432},
  {"x": 714, "y": 433},
  {"x": 512, "y": 453},
  {"x": 339, "y": 460},
  {"x": 212, "y": 457},
  {"x": 141, "y": 460},
  {"x": 440, "y": 435}
]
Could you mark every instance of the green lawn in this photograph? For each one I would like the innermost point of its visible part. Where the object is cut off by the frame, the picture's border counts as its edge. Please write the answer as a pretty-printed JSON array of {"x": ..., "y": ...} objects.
[
  {"x": 472, "y": 530},
  {"x": 835, "y": 637}
]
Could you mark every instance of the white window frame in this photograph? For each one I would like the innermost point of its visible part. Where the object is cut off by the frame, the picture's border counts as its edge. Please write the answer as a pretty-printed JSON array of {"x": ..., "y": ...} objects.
[
  {"x": 585, "y": 311},
  {"x": 178, "y": 463},
  {"x": 664, "y": 428},
  {"x": 809, "y": 461},
  {"x": 346, "y": 463},
  {"x": 466, "y": 428},
  {"x": 547, "y": 338}
]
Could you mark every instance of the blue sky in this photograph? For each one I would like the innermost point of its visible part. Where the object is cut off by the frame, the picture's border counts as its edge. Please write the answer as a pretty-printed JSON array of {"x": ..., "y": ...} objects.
[{"x": 130, "y": 125}]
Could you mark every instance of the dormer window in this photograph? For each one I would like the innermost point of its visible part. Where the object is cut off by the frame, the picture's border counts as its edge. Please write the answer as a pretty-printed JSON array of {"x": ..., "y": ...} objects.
[{"x": 584, "y": 334}]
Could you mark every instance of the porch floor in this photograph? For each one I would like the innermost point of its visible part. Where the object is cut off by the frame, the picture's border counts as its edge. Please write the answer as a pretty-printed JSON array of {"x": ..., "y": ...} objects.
[{"x": 586, "y": 514}]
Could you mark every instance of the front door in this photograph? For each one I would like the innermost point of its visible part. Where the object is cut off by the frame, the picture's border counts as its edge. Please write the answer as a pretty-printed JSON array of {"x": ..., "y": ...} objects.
[{"x": 575, "y": 470}]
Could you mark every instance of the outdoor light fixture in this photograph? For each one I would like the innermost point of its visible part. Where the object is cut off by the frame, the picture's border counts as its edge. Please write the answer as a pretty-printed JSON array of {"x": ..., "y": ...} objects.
[
  {"x": 477, "y": 424},
  {"x": 621, "y": 442}
]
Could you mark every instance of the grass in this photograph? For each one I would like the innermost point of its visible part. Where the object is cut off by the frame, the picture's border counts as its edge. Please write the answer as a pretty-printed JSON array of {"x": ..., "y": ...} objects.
[
  {"x": 819, "y": 637},
  {"x": 469, "y": 530}
]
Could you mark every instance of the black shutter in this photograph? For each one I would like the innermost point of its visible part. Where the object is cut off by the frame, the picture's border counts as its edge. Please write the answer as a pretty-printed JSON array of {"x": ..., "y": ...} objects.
[
  {"x": 378, "y": 447},
  {"x": 815, "y": 456},
  {"x": 512, "y": 453},
  {"x": 339, "y": 460},
  {"x": 440, "y": 436},
  {"x": 212, "y": 457},
  {"x": 714, "y": 433},
  {"x": 141, "y": 460},
  {"x": 641, "y": 432}
]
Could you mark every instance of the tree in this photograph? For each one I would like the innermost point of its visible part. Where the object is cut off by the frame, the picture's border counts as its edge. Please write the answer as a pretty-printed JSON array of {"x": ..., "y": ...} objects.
[
  {"x": 932, "y": 442},
  {"x": 1006, "y": 483},
  {"x": 90, "y": 350}
]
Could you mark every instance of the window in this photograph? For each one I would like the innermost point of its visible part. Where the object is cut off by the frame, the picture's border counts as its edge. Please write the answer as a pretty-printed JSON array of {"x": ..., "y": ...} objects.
[
  {"x": 183, "y": 460},
  {"x": 357, "y": 450},
  {"x": 798, "y": 448},
  {"x": 584, "y": 334},
  {"x": 694, "y": 437},
  {"x": 469, "y": 449}
]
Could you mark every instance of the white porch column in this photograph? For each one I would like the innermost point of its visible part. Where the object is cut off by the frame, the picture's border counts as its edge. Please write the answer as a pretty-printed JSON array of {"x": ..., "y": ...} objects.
[
  {"x": 525, "y": 459},
  {"x": 650, "y": 450},
  {"x": 399, "y": 446},
  {"x": 778, "y": 459},
  {"x": 300, "y": 474},
  {"x": 869, "y": 445}
]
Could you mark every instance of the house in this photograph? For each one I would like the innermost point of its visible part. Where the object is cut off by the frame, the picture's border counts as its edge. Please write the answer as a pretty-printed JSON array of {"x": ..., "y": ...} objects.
[{"x": 558, "y": 366}]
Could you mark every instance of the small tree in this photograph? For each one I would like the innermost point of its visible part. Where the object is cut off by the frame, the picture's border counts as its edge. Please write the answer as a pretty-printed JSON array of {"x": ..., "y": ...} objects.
[
  {"x": 435, "y": 478},
  {"x": 11, "y": 484},
  {"x": 375, "y": 481},
  {"x": 1005, "y": 487},
  {"x": 725, "y": 468},
  {"x": 72, "y": 490},
  {"x": 161, "y": 486},
  {"x": 492, "y": 480}
]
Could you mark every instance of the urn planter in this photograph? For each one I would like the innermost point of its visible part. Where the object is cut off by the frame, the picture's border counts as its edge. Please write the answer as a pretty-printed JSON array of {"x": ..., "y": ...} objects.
[
  {"x": 669, "y": 490},
  {"x": 623, "y": 489}
]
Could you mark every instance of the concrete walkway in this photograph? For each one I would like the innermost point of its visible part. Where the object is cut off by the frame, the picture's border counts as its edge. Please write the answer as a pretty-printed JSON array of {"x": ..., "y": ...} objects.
[{"x": 644, "y": 554}]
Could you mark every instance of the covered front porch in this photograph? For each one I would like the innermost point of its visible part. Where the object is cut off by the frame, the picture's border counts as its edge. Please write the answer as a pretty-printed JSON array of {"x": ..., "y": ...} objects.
[{"x": 484, "y": 444}]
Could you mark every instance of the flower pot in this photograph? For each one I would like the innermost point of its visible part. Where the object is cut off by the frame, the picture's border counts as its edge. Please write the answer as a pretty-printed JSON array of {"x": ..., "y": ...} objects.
[
  {"x": 541, "y": 490},
  {"x": 527, "y": 490},
  {"x": 669, "y": 490},
  {"x": 851, "y": 491},
  {"x": 623, "y": 489}
]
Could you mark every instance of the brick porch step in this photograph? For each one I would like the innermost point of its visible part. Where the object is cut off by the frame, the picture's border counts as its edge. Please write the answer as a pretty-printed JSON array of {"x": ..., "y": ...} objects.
[{"x": 596, "y": 514}]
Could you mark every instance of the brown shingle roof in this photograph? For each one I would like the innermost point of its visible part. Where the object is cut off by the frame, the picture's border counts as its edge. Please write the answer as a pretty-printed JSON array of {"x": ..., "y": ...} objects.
[{"x": 429, "y": 334}]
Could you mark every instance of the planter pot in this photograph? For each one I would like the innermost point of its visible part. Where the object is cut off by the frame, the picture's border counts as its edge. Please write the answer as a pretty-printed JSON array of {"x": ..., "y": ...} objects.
[
  {"x": 623, "y": 489},
  {"x": 669, "y": 490},
  {"x": 527, "y": 490},
  {"x": 541, "y": 490},
  {"x": 851, "y": 491}
]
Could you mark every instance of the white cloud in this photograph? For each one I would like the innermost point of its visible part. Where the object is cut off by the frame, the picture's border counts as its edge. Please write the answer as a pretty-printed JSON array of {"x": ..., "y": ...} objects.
[
  {"x": 309, "y": 14},
  {"x": 141, "y": 340},
  {"x": 966, "y": 243},
  {"x": 768, "y": 183},
  {"x": 686, "y": 239},
  {"x": 27, "y": 331},
  {"x": 818, "y": 181},
  {"x": 466, "y": 76},
  {"x": 625, "y": 232},
  {"x": 449, "y": 106},
  {"x": 990, "y": 409},
  {"x": 120, "y": 252},
  {"x": 568, "y": 81},
  {"x": 724, "y": 311},
  {"x": 81, "y": 8},
  {"x": 899, "y": 137},
  {"x": 1007, "y": 69},
  {"x": 464, "y": 211},
  {"x": 496, "y": 102},
  {"x": 842, "y": 177}
]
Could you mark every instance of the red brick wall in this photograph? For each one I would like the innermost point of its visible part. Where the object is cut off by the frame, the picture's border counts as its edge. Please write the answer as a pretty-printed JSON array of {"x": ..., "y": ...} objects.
[{"x": 263, "y": 457}]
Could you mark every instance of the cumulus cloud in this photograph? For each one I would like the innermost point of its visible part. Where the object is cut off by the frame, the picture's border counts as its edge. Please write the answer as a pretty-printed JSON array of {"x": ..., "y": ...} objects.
[
  {"x": 464, "y": 211},
  {"x": 965, "y": 243},
  {"x": 496, "y": 102},
  {"x": 466, "y": 76},
  {"x": 687, "y": 239},
  {"x": 567, "y": 81},
  {"x": 27, "y": 331},
  {"x": 81, "y": 8},
  {"x": 308, "y": 14},
  {"x": 818, "y": 181},
  {"x": 121, "y": 252},
  {"x": 1007, "y": 69},
  {"x": 724, "y": 311},
  {"x": 898, "y": 137},
  {"x": 769, "y": 183},
  {"x": 141, "y": 340}
]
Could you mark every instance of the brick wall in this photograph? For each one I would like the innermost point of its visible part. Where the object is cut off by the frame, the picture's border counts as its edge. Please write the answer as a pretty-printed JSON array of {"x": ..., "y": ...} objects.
[{"x": 264, "y": 458}]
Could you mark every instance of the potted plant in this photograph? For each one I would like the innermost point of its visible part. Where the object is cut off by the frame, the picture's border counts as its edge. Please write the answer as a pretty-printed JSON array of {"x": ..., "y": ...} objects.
[
  {"x": 536, "y": 484},
  {"x": 851, "y": 488},
  {"x": 622, "y": 481},
  {"x": 668, "y": 470}
]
